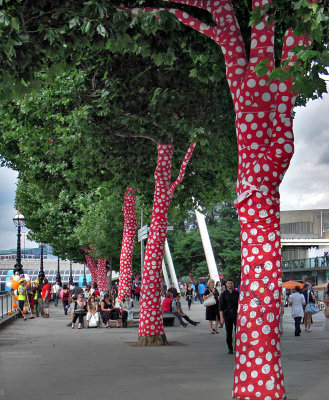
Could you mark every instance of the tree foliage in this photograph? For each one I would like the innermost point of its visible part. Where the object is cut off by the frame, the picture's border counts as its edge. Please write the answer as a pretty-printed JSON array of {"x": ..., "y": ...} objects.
[{"x": 95, "y": 124}]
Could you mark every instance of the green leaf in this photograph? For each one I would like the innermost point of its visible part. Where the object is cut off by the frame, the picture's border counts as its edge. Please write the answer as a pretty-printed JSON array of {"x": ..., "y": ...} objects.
[
  {"x": 86, "y": 26},
  {"x": 15, "y": 23},
  {"x": 101, "y": 30}
]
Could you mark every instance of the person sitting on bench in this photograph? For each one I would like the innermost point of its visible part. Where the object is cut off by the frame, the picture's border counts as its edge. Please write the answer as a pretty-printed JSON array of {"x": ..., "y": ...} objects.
[{"x": 178, "y": 312}]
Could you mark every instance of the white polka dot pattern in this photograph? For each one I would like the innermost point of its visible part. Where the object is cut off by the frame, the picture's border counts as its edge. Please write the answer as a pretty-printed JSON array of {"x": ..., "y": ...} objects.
[
  {"x": 128, "y": 241},
  {"x": 150, "y": 320},
  {"x": 102, "y": 278}
]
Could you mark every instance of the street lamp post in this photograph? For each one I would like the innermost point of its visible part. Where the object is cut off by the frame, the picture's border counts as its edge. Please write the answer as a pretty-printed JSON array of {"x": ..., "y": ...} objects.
[
  {"x": 71, "y": 276},
  {"x": 41, "y": 272},
  {"x": 84, "y": 282},
  {"x": 19, "y": 221},
  {"x": 58, "y": 276}
]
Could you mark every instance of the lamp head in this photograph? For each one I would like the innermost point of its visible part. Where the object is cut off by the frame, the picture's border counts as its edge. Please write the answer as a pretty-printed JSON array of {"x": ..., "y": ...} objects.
[{"x": 19, "y": 219}]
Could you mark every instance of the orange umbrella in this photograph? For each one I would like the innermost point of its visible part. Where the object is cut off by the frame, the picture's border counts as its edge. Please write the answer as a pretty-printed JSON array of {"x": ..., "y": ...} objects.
[
  {"x": 291, "y": 284},
  {"x": 322, "y": 286}
]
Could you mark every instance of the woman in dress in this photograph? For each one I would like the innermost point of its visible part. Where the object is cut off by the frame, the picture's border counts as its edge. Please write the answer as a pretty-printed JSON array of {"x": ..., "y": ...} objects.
[
  {"x": 309, "y": 298},
  {"x": 79, "y": 311},
  {"x": 212, "y": 312},
  {"x": 108, "y": 311},
  {"x": 297, "y": 302},
  {"x": 92, "y": 308},
  {"x": 326, "y": 302},
  {"x": 189, "y": 295}
]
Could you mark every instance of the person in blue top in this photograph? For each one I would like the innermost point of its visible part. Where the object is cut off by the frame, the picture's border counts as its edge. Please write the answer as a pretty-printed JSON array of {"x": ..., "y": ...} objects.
[{"x": 201, "y": 290}]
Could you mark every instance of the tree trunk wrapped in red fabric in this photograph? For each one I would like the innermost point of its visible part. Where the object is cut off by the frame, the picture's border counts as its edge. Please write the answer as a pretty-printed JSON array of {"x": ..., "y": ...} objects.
[
  {"x": 102, "y": 278},
  {"x": 91, "y": 265},
  {"x": 128, "y": 241},
  {"x": 265, "y": 145},
  {"x": 151, "y": 330}
]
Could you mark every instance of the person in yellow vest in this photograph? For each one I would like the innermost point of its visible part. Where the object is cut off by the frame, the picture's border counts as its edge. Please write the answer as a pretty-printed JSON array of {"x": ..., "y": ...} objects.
[
  {"x": 21, "y": 291},
  {"x": 37, "y": 295}
]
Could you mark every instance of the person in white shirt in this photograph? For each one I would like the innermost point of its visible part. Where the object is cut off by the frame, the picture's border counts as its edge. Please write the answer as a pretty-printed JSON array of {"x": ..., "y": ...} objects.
[
  {"x": 297, "y": 301},
  {"x": 55, "y": 290}
]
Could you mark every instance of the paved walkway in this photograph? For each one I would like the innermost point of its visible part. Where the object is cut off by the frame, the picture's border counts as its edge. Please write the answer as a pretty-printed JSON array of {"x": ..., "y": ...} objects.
[{"x": 46, "y": 360}]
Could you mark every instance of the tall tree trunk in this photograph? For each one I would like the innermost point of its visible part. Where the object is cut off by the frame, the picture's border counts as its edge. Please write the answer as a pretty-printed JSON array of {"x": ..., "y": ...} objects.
[
  {"x": 265, "y": 146},
  {"x": 102, "y": 278},
  {"x": 151, "y": 330},
  {"x": 128, "y": 241},
  {"x": 91, "y": 265}
]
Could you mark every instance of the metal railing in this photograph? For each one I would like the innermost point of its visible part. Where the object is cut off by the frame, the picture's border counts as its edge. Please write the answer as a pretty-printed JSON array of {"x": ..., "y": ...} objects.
[
  {"x": 6, "y": 304},
  {"x": 306, "y": 263}
]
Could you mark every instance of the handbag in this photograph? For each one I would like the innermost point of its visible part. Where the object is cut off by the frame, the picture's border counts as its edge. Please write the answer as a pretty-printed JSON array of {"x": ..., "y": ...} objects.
[
  {"x": 311, "y": 308},
  {"x": 326, "y": 312},
  {"x": 210, "y": 301}
]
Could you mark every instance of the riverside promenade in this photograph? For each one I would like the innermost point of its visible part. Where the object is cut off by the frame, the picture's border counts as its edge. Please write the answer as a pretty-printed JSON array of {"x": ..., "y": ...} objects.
[{"x": 45, "y": 359}]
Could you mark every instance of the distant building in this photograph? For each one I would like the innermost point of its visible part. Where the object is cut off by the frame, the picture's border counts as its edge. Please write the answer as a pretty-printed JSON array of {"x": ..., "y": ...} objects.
[{"x": 305, "y": 244}]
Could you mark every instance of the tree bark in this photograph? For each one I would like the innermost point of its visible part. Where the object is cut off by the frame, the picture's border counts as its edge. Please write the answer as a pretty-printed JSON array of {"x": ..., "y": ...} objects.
[
  {"x": 128, "y": 241},
  {"x": 151, "y": 329},
  {"x": 155, "y": 340}
]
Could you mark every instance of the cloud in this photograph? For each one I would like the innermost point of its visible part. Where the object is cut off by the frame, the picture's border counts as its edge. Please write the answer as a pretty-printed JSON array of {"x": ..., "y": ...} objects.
[
  {"x": 306, "y": 183},
  {"x": 8, "y": 231}
]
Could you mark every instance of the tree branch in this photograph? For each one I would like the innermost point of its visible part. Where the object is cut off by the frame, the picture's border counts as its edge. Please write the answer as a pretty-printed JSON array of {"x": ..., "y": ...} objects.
[
  {"x": 181, "y": 174},
  {"x": 226, "y": 33},
  {"x": 127, "y": 134},
  {"x": 262, "y": 41},
  {"x": 282, "y": 141}
]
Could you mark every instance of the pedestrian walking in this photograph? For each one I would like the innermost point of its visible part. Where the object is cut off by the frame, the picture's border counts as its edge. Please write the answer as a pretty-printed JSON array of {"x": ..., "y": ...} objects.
[
  {"x": 21, "y": 291},
  {"x": 37, "y": 295},
  {"x": 309, "y": 298},
  {"x": 55, "y": 292},
  {"x": 326, "y": 302},
  {"x": 46, "y": 297},
  {"x": 65, "y": 298},
  {"x": 228, "y": 308},
  {"x": 137, "y": 292},
  {"x": 201, "y": 290},
  {"x": 297, "y": 302},
  {"x": 189, "y": 295},
  {"x": 212, "y": 312}
]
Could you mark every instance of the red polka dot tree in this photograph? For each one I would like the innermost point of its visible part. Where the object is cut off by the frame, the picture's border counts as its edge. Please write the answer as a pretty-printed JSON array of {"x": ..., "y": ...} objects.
[
  {"x": 265, "y": 147},
  {"x": 97, "y": 270},
  {"x": 128, "y": 241},
  {"x": 91, "y": 265},
  {"x": 102, "y": 278},
  {"x": 151, "y": 330}
]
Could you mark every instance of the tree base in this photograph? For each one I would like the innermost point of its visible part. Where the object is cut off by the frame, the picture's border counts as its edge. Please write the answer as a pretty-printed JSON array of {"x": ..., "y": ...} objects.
[
  {"x": 240, "y": 398},
  {"x": 155, "y": 340}
]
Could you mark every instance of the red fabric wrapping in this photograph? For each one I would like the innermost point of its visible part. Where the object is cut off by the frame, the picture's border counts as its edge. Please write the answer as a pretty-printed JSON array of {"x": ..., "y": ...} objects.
[{"x": 128, "y": 241}]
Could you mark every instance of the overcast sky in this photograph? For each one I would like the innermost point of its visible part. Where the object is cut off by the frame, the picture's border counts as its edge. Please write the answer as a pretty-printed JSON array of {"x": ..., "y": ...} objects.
[{"x": 305, "y": 185}]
